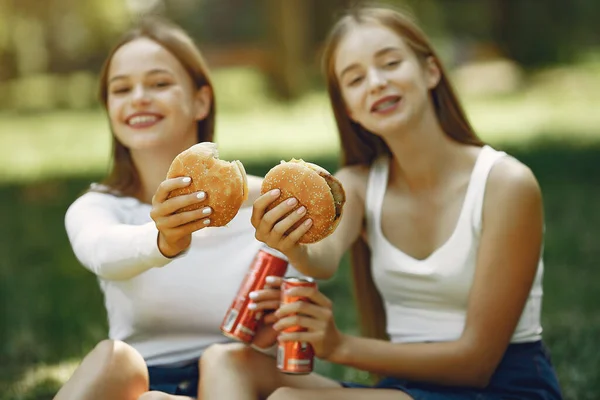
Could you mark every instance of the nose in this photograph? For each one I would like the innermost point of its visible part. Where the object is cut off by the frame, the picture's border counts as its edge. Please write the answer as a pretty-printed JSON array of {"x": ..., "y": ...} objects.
[
  {"x": 139, "y": 96},
  {"x": 376, "y": 79}
]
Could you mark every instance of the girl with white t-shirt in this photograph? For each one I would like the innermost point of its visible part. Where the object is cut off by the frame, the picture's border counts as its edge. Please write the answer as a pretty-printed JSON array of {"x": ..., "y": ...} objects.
[{"x": 167, "y": 279}]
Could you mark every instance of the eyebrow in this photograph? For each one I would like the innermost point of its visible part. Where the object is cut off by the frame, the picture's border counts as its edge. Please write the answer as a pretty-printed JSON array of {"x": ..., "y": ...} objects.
[
  {"x": 378, "y": 53},
  {"x": 151, "y": 72}
]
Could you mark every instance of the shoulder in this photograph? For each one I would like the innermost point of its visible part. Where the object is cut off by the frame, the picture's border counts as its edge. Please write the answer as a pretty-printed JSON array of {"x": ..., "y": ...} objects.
[
  {"x": 512, "y": 183},
  {"x": 354, "y": 175},
  {"x": 354, "y": 180},
  {"x": 254, "y": 185}
]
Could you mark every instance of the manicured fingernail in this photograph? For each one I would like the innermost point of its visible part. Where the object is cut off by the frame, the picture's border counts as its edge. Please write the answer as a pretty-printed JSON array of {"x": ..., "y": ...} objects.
[
  {"x": 308, "y": 222},
  {"x": 301, "y": 210},
  {"x": 206, "y": 210},
  {"x": 252, "y": 306},
  {"x": 291, "y": 202},
  {"x": 270, "y": 279},
  {"x": 201, "y": 195},
  {"x": 206, "y": 221},
  {"x": 186, "y": 179},
  {"x": 253, "y": 295},
  {"x": 275, "y": 192}
]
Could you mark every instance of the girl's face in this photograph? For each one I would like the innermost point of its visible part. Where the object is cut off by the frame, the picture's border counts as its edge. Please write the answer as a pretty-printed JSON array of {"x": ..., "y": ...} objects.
[
  {"x": 384, "y": 85},
  {"x": 152, "y": 101}
]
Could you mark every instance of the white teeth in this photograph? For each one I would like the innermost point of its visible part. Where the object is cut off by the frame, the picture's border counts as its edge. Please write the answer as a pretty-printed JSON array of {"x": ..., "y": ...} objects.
[
  {"x": 386, "y": 104},
  {"x": 142, "y": 119}
]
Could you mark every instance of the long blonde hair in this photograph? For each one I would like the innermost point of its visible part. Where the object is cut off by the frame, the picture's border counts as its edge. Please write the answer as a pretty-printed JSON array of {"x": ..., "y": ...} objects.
[
  {"x": 123, "y": 177},
  {"x": 361, "y": 147}
]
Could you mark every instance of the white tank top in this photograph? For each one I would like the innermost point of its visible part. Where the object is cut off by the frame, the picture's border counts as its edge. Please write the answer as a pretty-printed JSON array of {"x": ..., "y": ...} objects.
[{"x": 426, "y": 300}]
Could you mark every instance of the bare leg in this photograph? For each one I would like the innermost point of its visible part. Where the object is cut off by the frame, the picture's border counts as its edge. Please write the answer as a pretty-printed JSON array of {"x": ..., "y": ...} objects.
[
  {"x": 112, "y": 370},
  {"x": 154, "y": 395},
  {"x": 288, "y": 393},
  {"x": 235, "y": 371}
]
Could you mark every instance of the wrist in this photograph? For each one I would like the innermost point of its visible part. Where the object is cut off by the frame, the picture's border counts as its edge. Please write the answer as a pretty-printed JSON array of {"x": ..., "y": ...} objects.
[
  {"x": 297, "y": 256},
  {"x": 342, "y": 352},
  {"x": 165, "y": 249}
]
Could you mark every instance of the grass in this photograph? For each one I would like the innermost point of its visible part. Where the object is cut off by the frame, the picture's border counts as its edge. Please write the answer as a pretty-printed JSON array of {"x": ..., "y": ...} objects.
[
  {"x": 52, "y": 309},
  {"x": 53, "y": 312}
]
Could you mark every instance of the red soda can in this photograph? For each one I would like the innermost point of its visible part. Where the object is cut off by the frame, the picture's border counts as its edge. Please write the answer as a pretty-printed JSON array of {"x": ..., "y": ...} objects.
[
  {"x": 295, "y": 357},
  {"x": 240, "y": 323}
]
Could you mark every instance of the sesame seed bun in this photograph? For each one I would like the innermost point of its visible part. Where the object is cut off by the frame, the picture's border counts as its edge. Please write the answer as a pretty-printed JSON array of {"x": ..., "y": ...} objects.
[
  {"x": 315, "y": 188},
  {"x": 224, "y": 183}
]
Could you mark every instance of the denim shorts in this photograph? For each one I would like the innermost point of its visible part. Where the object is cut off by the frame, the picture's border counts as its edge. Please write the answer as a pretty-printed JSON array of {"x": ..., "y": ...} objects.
[
  {"x": 181, "y": 381},
  {"x": 524, "y": 373}
]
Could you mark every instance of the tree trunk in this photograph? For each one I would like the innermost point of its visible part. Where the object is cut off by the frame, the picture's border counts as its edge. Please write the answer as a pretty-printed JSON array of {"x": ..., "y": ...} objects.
[{"x": 288, "y": 39}]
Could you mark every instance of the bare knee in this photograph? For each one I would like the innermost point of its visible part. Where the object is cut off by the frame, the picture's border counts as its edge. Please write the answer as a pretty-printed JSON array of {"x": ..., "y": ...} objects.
[
  {"x": 113, "y": 369},
  {"x": 120, "y": 358},
  {"x": 154, "y": 396},
  {"x": 285, "y": 393},
  {"x": 242, "y": 364},
  {"x": 120, "y": 365},
  {"x": 225, "y": 354}
]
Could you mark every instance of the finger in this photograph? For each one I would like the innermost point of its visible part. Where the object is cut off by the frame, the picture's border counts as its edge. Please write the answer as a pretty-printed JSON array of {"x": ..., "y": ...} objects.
[
  {"x": 308, "y": 337},
  {"x": 312, "y": 293},
  {"x": 294, "y": 236},
  {"x": 273, "y": 281},
  {"x": 188, "y": 228},
  {"x": 176, "y": 203},
  {"x": 265, "y": 228},
  {"x": 176, "y": 220},
  {"x": 270, "y": 318},
  {"x": 278, "y": 212},
  {"x": 303, "y": 308},
  {"x": 261, "y": 204},
  {"x": 299, "y": 321},
  {"x": 283, "y": 226},
  {"x": 265, "y": 295},
  {"x": 168, "y": 185},
  {"x": 264, "y": 305}
]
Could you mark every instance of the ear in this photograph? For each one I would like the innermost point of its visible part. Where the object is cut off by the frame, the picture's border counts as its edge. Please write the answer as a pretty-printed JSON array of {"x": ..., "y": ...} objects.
[
  {"x": 433, "y": 72},
  {"x": 202, "y": 102}
]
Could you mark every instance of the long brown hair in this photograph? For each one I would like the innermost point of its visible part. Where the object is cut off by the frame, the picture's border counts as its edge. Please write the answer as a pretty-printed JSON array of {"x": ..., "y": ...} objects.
[
  {"x": 361, "y": 147},
  {"x": 123, "y": 177}
]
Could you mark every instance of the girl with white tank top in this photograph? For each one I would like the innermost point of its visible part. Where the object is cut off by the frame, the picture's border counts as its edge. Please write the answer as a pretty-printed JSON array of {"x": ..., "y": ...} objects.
[
  {"x": 426, "y": 300},
  {"x": 445, "y": 233}
]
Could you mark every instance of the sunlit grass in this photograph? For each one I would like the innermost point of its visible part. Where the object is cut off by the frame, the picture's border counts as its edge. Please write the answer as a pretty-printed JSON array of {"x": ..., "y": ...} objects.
[
  {"x": 561, "y": 102},
  {"x": 42, "y": 378}
]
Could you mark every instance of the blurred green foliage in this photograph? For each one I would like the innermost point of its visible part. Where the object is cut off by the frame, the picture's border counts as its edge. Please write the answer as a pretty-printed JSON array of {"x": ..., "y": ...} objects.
[{"x": 68, "y": 39}]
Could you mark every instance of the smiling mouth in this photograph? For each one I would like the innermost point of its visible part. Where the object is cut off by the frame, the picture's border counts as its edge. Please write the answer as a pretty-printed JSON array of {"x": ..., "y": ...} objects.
[
  {"x": 385, "y": 104},
  {"x": 142, "y": 121}
]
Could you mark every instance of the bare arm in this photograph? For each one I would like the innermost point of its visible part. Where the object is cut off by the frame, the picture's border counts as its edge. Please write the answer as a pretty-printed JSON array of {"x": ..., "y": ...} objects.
[
  {"x": 319, "y": 260},
  {"x": 506, "y": 266}
]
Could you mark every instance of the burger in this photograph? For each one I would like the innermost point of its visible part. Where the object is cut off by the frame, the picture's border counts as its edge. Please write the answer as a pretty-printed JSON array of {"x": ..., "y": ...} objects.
[
  {"x": 314, "y": 188},
  {"x": 224, "y": 183}
]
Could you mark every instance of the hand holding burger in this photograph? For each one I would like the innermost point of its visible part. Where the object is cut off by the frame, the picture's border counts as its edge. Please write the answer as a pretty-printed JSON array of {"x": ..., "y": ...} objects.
[
  {"x": 319, "y": 198},
  {"x": 200, "y": 191},
  {"x": 224, "y": 182}
]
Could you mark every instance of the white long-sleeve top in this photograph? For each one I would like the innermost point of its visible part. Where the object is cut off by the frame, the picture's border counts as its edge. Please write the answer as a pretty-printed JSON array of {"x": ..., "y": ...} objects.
[{"x": 169, "y": 310}]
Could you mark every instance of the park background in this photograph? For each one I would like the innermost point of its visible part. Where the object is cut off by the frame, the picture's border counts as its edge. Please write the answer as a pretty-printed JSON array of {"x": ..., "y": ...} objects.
[{"x": 527, "y": 70}]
